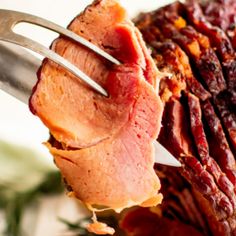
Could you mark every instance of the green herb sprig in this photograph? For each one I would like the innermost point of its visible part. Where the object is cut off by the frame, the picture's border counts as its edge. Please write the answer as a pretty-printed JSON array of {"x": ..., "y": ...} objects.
[{"x": 23, "y": 179}]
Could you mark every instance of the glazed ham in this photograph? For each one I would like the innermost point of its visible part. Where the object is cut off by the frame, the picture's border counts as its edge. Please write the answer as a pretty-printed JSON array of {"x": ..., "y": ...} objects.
[
  {"x": 199, "y": 120},
  {"x": 103, "y": 146}
]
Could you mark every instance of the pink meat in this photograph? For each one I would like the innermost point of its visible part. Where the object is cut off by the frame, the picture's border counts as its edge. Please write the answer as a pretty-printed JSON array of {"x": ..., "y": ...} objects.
[
  {"x": 117, "y": 172},
  {"x": 105, "y": 149}
]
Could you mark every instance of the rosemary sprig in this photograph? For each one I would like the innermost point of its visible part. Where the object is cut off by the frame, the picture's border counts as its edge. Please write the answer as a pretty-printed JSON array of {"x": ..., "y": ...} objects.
[{"x": 23, "y": 178}]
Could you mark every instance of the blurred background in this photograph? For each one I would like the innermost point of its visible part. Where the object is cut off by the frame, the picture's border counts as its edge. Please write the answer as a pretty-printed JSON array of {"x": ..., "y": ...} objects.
[{"x": 25, "y": 164}]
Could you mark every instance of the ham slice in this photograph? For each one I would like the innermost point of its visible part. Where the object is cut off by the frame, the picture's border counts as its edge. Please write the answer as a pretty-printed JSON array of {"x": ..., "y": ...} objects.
[
  {"x": 60, "y": 100},
  {"x": 117, "y": 172},
  {"x": 103, "y": 146},
  {"x": 108, "y": 160}
]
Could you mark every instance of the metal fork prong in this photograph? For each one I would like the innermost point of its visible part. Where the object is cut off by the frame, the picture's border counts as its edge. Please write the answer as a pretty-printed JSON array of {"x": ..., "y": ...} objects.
[
  {"x": 25, "y": 42},
  {"x": 18, "y": 17}
]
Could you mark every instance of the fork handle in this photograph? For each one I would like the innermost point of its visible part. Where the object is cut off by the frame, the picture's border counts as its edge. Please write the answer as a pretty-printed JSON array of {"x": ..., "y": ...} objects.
[{"x": 18, "y": 70}]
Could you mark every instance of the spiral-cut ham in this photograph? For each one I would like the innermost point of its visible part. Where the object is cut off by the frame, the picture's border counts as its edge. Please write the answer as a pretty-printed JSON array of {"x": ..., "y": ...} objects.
[{"x": 197, "y": 129}]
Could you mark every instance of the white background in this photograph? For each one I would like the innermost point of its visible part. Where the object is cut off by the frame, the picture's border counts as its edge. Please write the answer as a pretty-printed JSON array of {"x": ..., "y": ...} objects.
[{"x": 17, "y": 124}]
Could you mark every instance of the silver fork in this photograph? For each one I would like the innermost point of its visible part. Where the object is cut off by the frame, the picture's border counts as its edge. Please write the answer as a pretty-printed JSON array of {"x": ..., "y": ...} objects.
[{"x": 9, "y": 19}]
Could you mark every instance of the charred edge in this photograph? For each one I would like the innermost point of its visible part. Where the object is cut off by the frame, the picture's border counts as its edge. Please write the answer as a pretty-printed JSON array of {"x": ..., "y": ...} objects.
[
  {"x": 217, "y": 37},
  {"x": 218, "y": 143},
  {"x": 228, "y": 118},
  {"x": 208, "y": 162}
]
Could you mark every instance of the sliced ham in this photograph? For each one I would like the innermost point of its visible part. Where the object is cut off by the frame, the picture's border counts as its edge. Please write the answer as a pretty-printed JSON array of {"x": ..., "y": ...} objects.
[
  {"x": 76, "y": 115},
  {"x": 117, "y": 172},
  {"x": 103, "y": 146}
]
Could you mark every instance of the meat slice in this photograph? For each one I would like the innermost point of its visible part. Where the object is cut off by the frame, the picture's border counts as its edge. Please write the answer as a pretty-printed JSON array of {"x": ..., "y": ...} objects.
[
  {"x": 172, "y": 59},
  {"x": 196, "y": 46},
  {"x": 167, "y": 62},
  {"x": 227, "y": 115},
  {"x": 150, "y": 72},
  {"x": 176, "y": 138},
  {"x": 203, "y": 56},
  {"x": 118, "y": 172},
  {"x": 209, "y": 163},
  {"x": 222, "y": 14},
  {"x": 75, "y": 115},
  {"x": 220, "y": 151},
  {"x": 176, "y": 189},
  {"x": 103, "y": 146},
  {"x": 208, "y": 63},
  {"x": 218, "y": 39}
]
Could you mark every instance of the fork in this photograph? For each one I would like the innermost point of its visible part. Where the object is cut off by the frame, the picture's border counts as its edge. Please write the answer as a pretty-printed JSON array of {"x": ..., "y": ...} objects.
[{"x": 9, "y": 19}]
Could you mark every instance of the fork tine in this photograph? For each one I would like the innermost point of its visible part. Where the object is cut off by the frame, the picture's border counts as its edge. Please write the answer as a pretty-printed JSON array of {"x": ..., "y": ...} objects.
[
  {"x": 24, "y": 17},
  {"x": 23, "y": 41}
]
